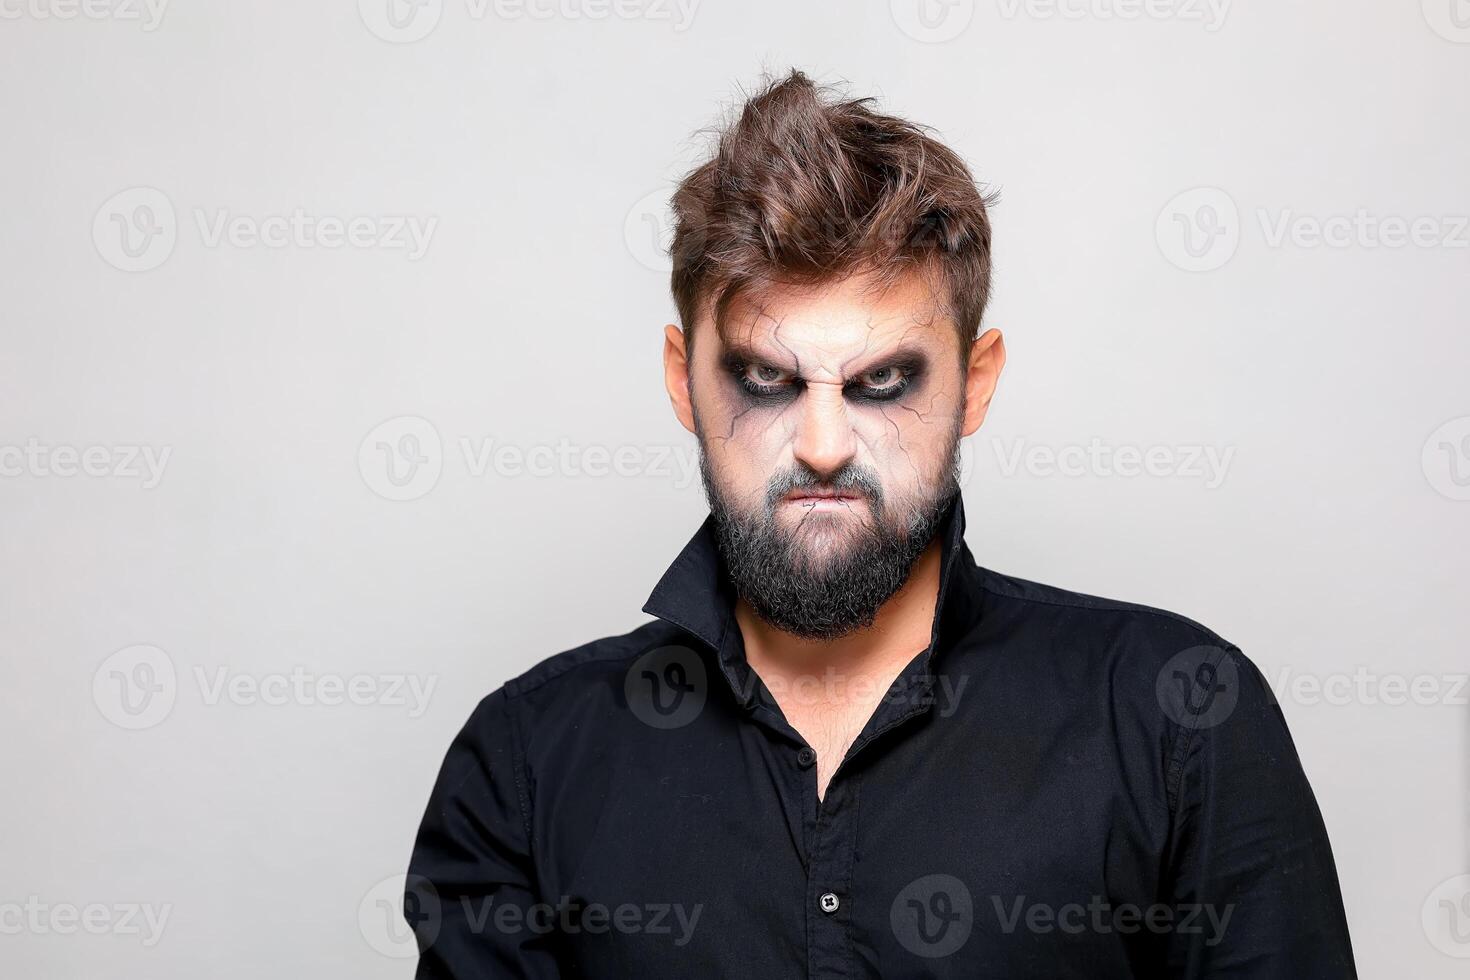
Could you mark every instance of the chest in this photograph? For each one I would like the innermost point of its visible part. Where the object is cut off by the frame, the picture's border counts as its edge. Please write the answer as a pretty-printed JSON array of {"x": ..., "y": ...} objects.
[
  {"x": 829, "y": 729},
  {"x": 830, "y": 710},
  {"x": 934, "y": 848}
]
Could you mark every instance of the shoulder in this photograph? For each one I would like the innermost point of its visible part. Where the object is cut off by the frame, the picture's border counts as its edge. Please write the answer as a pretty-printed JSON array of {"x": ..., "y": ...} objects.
[
  {"x": 1088, "y": 648},
  {"x": 1038, "y": 599},
  {"x": 584, "y": 680},
  {"x": 1090, "y": 625},
  {"x": 1128, "y": 666},
  {"x": 573, "y": 671}
]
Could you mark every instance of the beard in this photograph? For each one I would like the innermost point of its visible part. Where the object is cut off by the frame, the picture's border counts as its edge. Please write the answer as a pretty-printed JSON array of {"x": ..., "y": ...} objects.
[{"x": 831, "y": 573}]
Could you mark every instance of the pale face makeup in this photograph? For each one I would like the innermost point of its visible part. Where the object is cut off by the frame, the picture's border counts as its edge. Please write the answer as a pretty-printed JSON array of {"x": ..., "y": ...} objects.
[{"x": 831, "y": 408}]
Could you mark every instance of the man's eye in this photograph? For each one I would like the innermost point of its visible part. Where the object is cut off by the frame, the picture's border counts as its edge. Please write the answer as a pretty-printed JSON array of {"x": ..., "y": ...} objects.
[
  {"x": 764, "y": 379},
  {"x": 881, "y": 378},
  {"x": 881, "y": 383}
]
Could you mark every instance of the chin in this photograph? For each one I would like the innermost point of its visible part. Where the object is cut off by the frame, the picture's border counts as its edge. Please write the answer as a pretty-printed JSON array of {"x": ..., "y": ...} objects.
[
  {"x": 825, "y": 527},
  {"x": 822, "y": 542}
]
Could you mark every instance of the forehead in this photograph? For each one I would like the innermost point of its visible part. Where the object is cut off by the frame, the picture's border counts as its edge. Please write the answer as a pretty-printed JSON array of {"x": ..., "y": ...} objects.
[{"x": 840, "y": 326}]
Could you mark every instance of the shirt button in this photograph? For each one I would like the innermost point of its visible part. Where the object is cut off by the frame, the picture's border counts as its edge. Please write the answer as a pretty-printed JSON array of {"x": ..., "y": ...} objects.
[
  {"x": 805, "y": 757},
  {"x": 829, "y": 902}
]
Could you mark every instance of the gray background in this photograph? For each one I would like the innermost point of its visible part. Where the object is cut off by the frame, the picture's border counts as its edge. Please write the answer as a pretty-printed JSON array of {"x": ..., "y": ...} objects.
[{"x": 1332, "y": 545}]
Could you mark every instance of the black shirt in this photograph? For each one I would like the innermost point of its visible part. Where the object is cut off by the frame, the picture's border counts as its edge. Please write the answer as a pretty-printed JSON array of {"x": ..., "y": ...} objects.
[{"x": 1059, "y": 786}]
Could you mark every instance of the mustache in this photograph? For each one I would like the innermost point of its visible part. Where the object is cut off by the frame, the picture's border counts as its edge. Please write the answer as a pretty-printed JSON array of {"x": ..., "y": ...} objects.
[{"x": 853, "y": 478}]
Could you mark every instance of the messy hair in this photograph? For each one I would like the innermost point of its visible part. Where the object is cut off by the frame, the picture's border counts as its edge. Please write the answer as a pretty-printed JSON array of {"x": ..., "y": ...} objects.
[{"x": 805, "y": 188}]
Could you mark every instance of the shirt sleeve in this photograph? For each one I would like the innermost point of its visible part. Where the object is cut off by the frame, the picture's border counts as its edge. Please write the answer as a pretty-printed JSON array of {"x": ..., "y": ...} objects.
[
  {"x": 470, "y": 894},
  {"x": 1249, "y": 856}
]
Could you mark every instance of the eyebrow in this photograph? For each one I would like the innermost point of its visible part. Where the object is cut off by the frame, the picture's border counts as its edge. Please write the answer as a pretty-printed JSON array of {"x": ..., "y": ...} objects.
[{"x": 907, "y": 355}]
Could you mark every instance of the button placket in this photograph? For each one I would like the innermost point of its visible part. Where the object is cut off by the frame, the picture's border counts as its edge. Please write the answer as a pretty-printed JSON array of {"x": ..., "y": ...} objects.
[{"x": 829, "y": 951}]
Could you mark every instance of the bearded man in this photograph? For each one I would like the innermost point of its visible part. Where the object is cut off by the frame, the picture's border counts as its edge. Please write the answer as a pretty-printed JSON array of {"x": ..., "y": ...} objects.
[{"x": 842, "y": 748}]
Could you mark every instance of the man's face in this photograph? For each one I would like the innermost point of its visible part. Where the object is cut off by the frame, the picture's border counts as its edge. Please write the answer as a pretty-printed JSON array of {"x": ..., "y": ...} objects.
[{"x": 828, "y": 421}]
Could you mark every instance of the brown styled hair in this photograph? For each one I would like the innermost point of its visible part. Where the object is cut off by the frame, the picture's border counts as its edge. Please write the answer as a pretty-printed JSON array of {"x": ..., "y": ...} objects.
[{"x": 805, "y": 188}]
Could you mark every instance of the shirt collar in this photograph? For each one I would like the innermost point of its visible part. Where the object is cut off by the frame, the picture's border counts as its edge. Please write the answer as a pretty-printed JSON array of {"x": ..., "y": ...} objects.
[{"x": 696, "y": 595}]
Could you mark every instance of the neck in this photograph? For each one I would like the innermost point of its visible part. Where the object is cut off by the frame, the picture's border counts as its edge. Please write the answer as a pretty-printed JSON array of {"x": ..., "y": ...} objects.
[{"x": 900, "y": 630}]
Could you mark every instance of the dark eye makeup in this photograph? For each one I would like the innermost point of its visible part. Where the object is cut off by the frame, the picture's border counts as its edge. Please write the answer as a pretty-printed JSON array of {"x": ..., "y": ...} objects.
[
  {"x": 765, "y": 382},
  {"x": 762, "y": 382},
  {"x": 884, "y": 383}
]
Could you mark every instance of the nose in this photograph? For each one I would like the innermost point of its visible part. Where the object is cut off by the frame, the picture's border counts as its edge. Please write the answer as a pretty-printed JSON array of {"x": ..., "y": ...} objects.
[{"x": 824, "y": 440}]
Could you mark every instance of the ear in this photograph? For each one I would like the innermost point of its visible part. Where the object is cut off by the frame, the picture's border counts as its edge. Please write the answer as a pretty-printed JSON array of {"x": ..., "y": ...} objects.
[
  {"x": 676, "y": 375},
  {"x": 987, "y": 358}
]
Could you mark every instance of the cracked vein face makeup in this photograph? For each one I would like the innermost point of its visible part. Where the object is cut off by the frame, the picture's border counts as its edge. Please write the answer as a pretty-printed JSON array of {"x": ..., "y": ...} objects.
[{"x": 829, "y": 421}]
